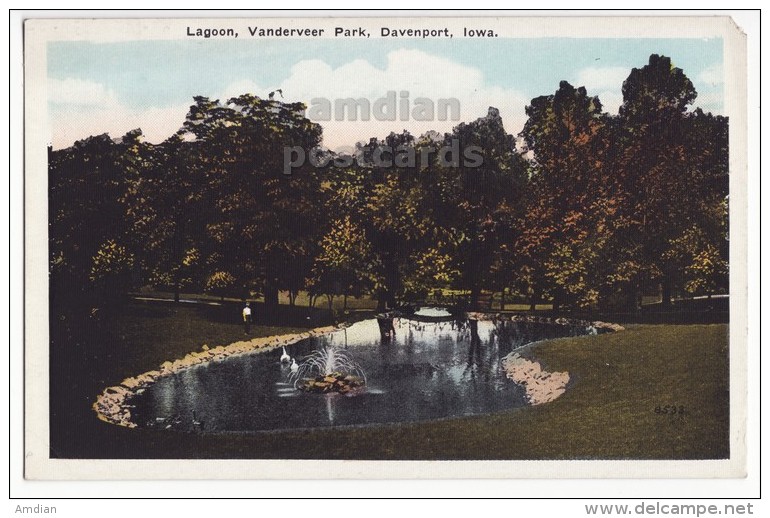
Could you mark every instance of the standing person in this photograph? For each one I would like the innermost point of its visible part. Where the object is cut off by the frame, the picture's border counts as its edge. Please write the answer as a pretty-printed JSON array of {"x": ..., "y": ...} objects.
[{"x": 246, "y": 319}]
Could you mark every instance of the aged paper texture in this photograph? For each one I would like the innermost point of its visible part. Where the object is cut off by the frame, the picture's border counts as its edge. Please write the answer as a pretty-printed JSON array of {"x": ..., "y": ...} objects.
[{"x": 385, "y": 248}]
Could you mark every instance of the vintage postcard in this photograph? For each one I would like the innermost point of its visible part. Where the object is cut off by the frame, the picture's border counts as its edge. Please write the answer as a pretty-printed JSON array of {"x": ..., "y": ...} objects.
[{"x": 365, "y": 247}]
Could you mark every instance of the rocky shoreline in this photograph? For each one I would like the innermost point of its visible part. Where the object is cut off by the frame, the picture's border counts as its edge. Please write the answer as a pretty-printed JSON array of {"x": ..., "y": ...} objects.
[
  {"x": 541, "y": 386},
  {"x": 519, "y": 317},
  {"x": 113, "y": 405}
]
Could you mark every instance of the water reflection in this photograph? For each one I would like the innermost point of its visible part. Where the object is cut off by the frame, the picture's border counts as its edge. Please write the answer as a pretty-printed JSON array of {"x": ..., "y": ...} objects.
[
  {"x": 330, "y": 407},
  {"x": 423, "y": 370}
]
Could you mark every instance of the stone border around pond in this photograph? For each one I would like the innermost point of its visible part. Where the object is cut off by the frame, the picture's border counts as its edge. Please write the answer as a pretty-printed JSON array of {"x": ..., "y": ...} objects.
[
  {"x": 540, "y": 385},
  {"x": 113, "y": 405},
  {"x": 519, "y": 317}
]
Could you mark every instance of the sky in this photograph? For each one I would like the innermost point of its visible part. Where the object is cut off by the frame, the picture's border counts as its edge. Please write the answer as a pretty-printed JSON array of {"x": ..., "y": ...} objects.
[{"x": 96, "y": 88}]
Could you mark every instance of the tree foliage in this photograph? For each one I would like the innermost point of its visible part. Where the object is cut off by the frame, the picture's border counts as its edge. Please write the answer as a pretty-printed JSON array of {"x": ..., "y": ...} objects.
[{"x": 590, "y": 209}]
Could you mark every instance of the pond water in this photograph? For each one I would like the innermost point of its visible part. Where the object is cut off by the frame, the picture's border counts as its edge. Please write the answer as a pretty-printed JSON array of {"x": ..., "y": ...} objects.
[{"x": 428, "y": 370}]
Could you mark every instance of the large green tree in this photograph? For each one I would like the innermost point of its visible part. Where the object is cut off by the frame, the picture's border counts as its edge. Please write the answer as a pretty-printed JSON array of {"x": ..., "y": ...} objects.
[
  {"x": 481, "y": 192},
  {"x": 573, "y": 200},
  {"x": 397, "y": 216},
  {"x": 674, "y": 169},
  {"x": 259, "y": 220},
  {"x": 346, "y": 264},
  {"x": 595, "y": 209},
  {"x": 89, "y": 240},
  {"x": 166, "y": 208}
]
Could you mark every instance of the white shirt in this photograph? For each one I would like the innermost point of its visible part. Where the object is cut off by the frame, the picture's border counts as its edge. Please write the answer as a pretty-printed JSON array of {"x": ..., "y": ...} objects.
[{"x": 246, "y": 312}]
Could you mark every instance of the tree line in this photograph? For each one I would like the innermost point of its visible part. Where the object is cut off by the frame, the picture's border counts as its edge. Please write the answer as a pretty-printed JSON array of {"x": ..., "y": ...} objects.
[{"x": 585, "y": 209}]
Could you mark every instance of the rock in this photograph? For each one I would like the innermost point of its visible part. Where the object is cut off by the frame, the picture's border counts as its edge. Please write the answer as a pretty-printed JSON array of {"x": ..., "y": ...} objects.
[
  {"x": 111, "y": 406},
  {"x": 130, "y": 382}
]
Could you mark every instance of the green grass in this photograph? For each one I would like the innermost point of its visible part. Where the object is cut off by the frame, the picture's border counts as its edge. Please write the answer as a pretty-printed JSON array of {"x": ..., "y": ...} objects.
[
  {"x": 523, "y": 307},
  {"x": 609, "y": 411},
  {"x": 353, "y": 303},
  {"x": 146, "y": 335},
  {"x": 364, "y": 302}
]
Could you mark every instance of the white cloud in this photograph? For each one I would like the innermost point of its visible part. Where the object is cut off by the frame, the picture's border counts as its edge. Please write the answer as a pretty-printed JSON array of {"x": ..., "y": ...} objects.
[
  {"x": 611, "y": 100},
  {"x": 416, "y": 72},
  {"x": 79, "y": 108},
  {"x": 72, "y": 122},
  {"x": 245, "y": 86},
  {"x": 80, "y": 93},
  {"x": 602, "y": 78},
  {"x": 604, "y": 82},
  {"x": 712, "y": 75},
  {"x": 712, "y": 101}
]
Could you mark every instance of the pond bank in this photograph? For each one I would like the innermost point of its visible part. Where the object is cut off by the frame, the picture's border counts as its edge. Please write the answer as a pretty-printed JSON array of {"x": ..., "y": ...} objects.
[
  {"x": 608, "y": 412},
  {"x": 114, "y": 406},
  {"x": 521, "y": 317},
  {"x": 541, "y": 386}
]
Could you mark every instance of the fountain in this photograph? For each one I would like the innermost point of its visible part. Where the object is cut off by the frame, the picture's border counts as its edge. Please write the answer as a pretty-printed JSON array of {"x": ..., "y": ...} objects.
[
  {"x": 329, "y": 370},
  {"x": 433, "y": 367}
]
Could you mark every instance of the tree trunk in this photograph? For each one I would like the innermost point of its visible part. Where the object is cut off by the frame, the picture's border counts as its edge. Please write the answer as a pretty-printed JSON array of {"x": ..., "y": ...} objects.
[
  {"x": 382, "y": 297},
  {"x": 534, "y": 299},
  {"x": 345, "y": 302},
  {"x": 502, "y": 300},
  {"x": 387, "y": 331},
  {"x": 177, "y": 289},
  {"x": 666, "y": 291},
  {"x": 271, "y": 296},
  {"x": 475, "y": 293},
  {"x": 330, "y": 299},
  {"x": 631, "y": 298},
  {"x": 474, "y": 327}
]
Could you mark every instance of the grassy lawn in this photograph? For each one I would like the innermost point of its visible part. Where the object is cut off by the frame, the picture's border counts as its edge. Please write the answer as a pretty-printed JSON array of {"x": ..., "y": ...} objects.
[
  {"x": 609, "y": 411},
  {"x": 523, "y": 307},
  {"x": 302, "y": 300},
  {"x": 353, "y": 303},
  {"x": 365, "y": 302},
  {"x": 150, "y": 334}
]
